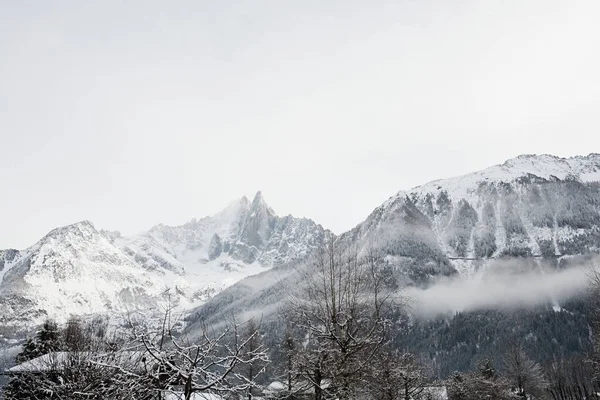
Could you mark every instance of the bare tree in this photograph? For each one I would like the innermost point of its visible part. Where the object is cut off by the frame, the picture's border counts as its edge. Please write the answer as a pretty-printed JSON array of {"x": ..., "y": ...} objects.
[
  {"x": 341, "y": 309},
  {"x": 289, "y": 345},
  {"x": 74, "y": 336},
  {"x": 75, "y": 375},
  {"x": 570, "y": 379},
  {"x": 179, "y": 364},
  {"x": 253, "y": 368},
  {"x": 525, "y": 375},
  {"x": 395, "y": 376},
  {"x": 594, "y": 300}
]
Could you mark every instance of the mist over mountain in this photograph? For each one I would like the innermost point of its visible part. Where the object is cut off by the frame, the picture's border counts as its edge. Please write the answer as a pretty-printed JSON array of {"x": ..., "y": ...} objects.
[{"x": 504, "y": 285}]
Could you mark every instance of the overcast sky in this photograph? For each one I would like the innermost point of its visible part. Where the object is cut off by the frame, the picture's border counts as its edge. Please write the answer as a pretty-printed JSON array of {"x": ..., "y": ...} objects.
[{"x": 131, "y": 113}]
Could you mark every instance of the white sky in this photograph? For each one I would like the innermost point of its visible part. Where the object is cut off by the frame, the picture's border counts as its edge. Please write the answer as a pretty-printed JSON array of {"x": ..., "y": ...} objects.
[{"x": 130, "y": 113}]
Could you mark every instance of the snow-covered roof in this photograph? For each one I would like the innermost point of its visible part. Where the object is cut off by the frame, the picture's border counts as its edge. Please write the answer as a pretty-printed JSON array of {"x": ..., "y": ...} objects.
[
  {"x": 195, "y": 396},
  {"x": 298, "y": 387},
  {"x": 59, "y": 359},
  {"x": 276, "y": 386},
  {"x": 435, "y": 393},
  {"x": 43, "y": 363}
]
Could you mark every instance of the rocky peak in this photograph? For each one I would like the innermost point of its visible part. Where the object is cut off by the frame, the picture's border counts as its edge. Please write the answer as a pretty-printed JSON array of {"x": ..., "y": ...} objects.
[
  {"x": 7, "y": 257},
  {"x": 524, "y": 168},
  {"x": 234, "y": 209},
  {"x": 78, "y": 269},
  {"x": 80, "y": 230},
  {"x": 215, "y": 248},
  {"x": 259, "y": 223},
  {"x": 260, "y": 205}
]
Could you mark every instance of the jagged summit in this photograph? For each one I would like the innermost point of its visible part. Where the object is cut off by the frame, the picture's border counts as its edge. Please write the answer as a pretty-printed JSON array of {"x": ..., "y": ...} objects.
[
  {"x": 76, "y": 269},
  {"x": 259, "y": 203},
  {"x": 235, "y": 210},
  {"x": 258, "y": 197},
  {"x": 78, "y": 228},
  {"x": 235, "y": 206}
]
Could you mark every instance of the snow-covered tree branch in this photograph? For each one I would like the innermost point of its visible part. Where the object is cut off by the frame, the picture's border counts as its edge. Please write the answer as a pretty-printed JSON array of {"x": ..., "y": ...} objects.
[{"x": 342, "y": 311}]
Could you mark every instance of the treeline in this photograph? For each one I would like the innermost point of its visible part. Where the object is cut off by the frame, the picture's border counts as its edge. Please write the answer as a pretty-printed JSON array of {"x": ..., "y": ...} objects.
[
  {"x": 456, "y": 343},
  {"x": 98, "y": 366}
]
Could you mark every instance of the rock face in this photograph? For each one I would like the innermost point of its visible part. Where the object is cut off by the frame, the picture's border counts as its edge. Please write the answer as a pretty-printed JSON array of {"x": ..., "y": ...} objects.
[
  {"x": 80, "y": 270},
  {"x": 244, "y": 233},
  {"x": 530, "y": 206},
  {"x": 215, "y": 248},
  {"x": 7, "y": 257}
]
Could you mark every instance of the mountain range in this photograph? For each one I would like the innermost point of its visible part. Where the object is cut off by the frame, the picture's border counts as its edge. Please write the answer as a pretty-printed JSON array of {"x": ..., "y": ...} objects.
[
  {"x": 481, "y": 261},
  {"x": 79, "y": 270},
  {"x": 542, "y": 211},
  {"x": 534, "y": 207}
]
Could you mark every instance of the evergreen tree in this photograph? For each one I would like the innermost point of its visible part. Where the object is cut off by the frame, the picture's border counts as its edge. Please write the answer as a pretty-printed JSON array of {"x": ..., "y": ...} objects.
[
  {"x": 487, "y": 369},
  {"x": 47, "y": 339}
]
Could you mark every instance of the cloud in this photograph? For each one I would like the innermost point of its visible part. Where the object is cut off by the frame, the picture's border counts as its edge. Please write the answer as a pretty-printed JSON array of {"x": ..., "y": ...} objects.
[{"x": 504, "y": 285}]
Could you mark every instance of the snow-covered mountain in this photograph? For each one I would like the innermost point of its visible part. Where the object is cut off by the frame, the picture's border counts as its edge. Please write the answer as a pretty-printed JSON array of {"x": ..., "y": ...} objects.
[
  {"x": 78, "y": 269},
  {"x": 73, "y": 269},
  {"x": 542, "y": 208},
  {"x": 531, "y": 206}
]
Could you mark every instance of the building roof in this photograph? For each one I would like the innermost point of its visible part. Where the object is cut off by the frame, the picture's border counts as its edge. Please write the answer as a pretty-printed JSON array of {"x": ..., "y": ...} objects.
[
  {"x": 60, "y": 359},
  {"x": 435, "y": 393}
]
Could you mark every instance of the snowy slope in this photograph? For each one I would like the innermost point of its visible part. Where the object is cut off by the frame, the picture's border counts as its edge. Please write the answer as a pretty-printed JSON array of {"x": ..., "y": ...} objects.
[
  {"x": 72, "y": 270},
  {"x": 80, "y": 270},
  {"x": 528, "y": 206}
]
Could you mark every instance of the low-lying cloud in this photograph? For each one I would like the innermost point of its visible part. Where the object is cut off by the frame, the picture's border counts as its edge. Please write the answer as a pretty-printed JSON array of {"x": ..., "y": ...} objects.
[{"x": 506, "y": 285}]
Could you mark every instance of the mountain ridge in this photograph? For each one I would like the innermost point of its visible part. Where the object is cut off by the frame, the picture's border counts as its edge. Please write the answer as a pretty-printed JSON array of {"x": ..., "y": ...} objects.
[
  {"x": 430, "y": 233},
  {"x": 543, "y": 206},
  {"x": 77, "y": 269}
]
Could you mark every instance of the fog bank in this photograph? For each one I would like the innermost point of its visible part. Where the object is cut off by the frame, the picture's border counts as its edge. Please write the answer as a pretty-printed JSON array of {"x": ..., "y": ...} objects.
[{"x": 506, "y": 285}]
